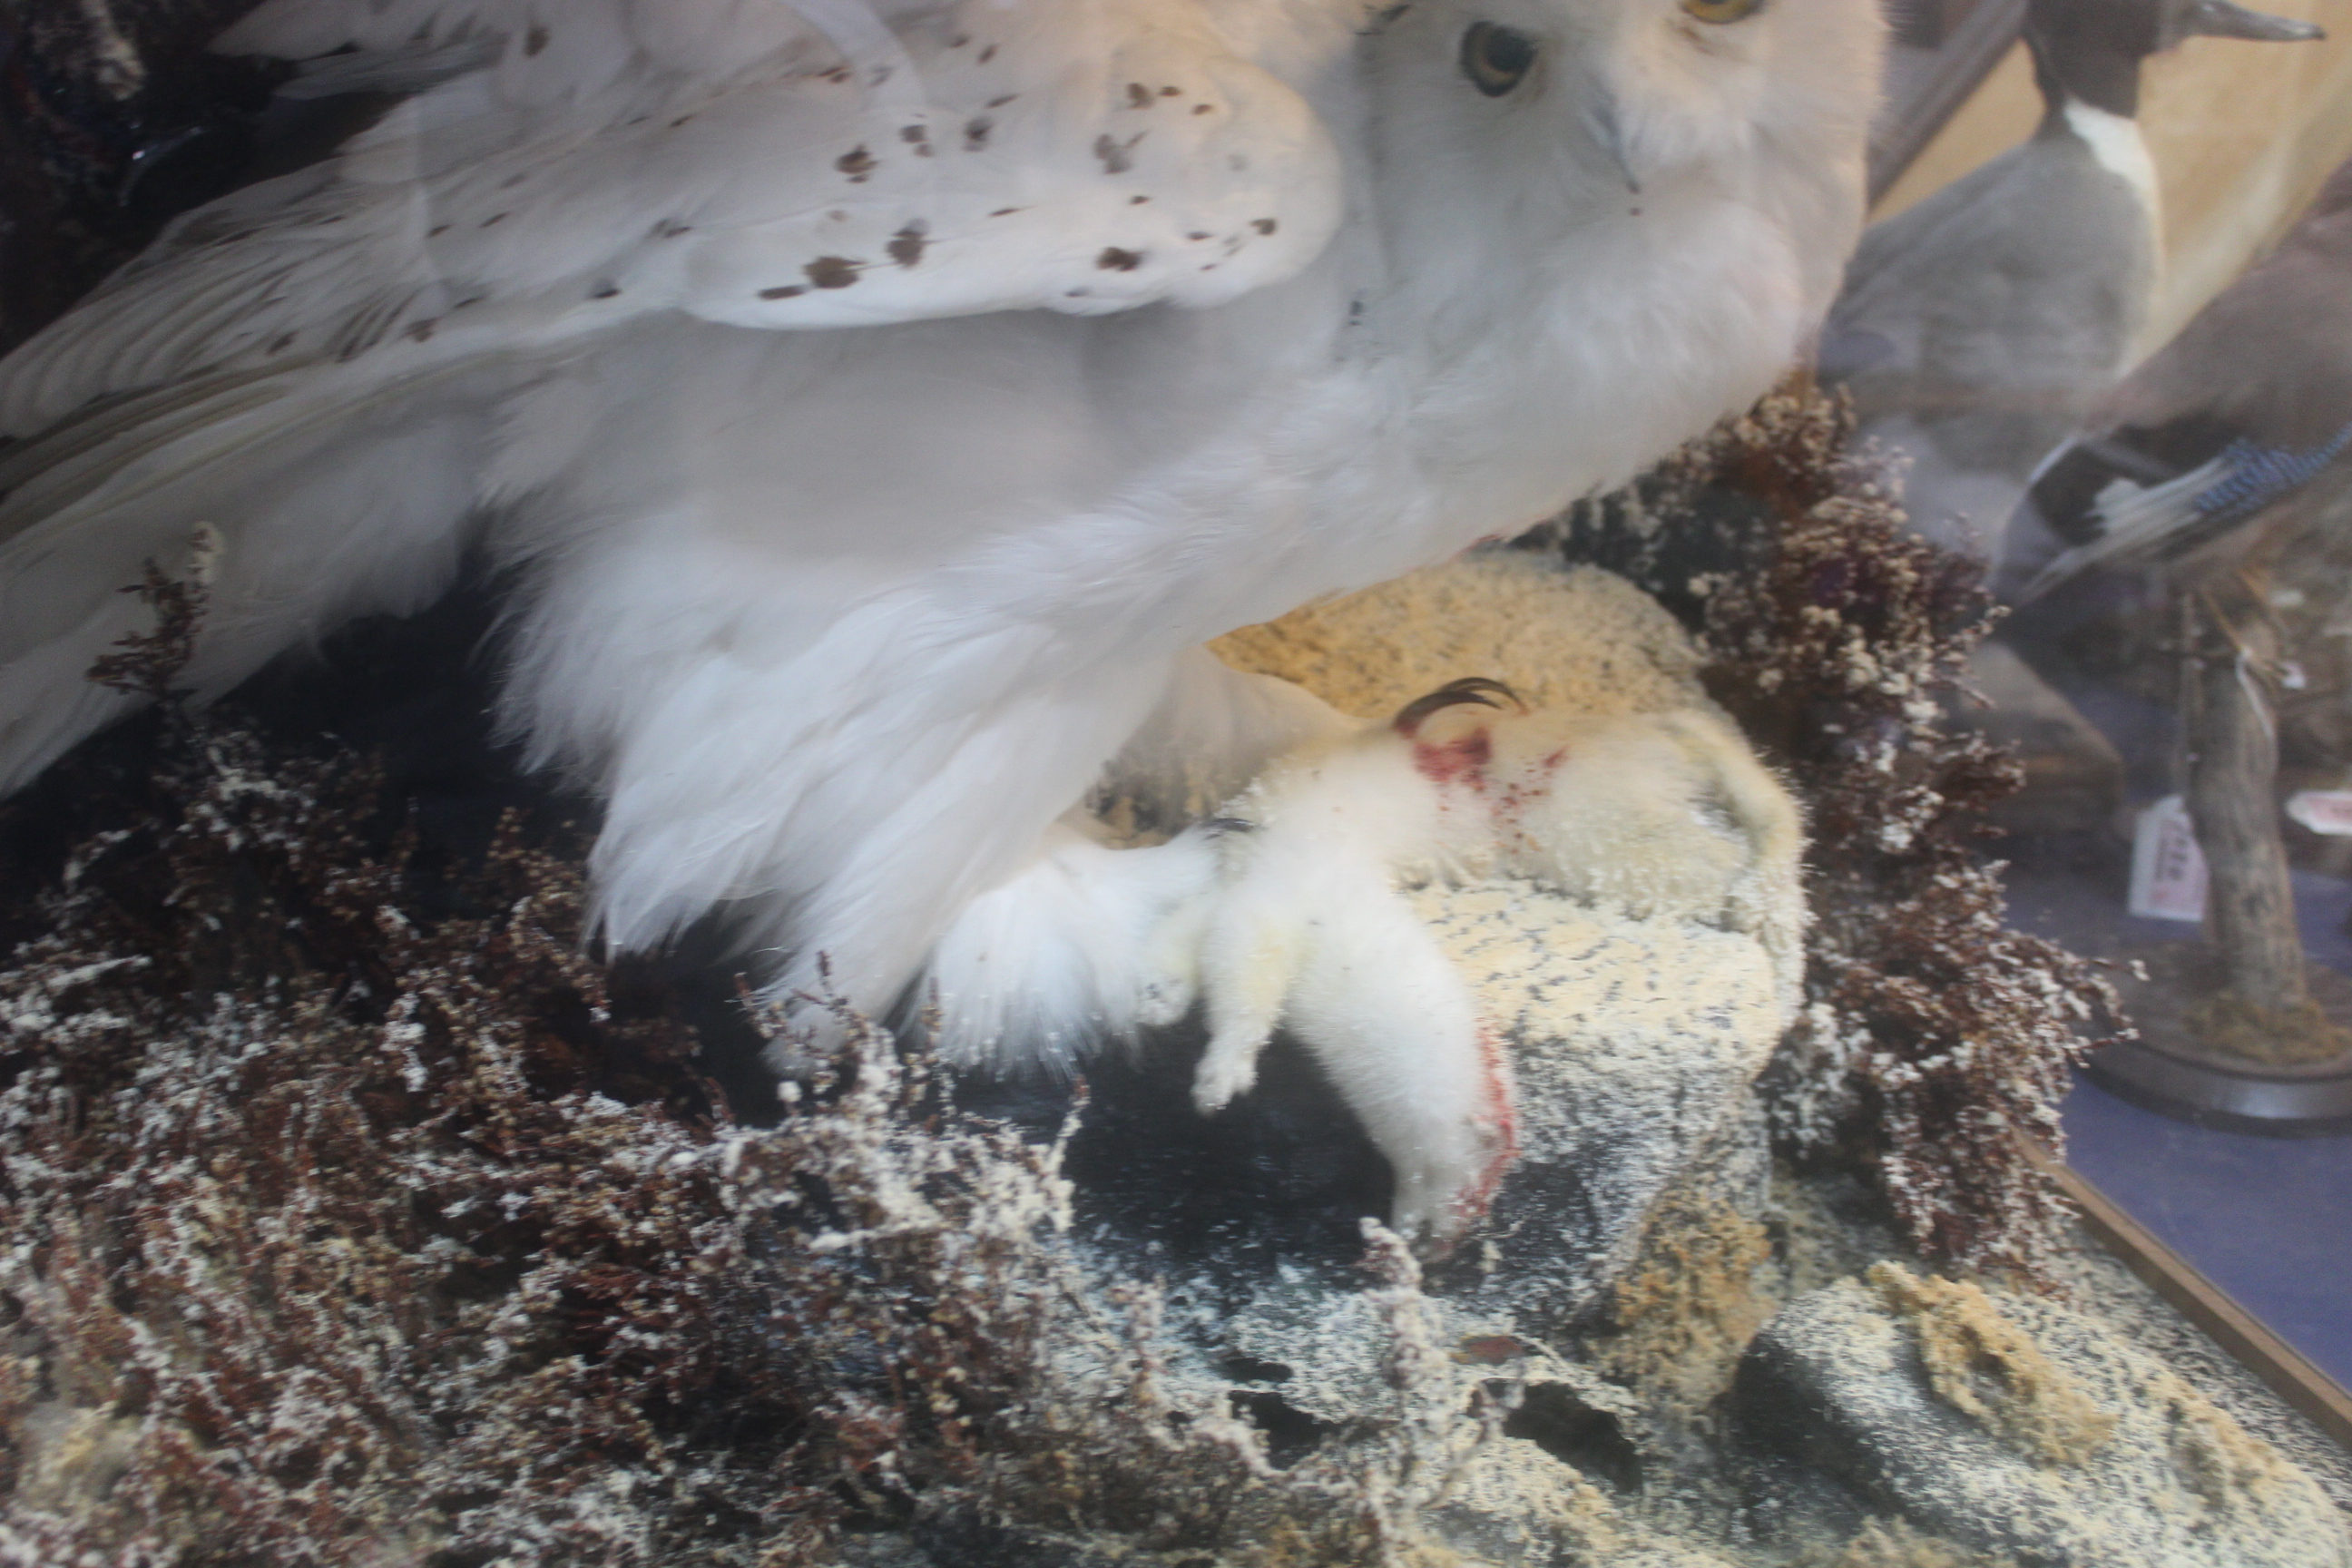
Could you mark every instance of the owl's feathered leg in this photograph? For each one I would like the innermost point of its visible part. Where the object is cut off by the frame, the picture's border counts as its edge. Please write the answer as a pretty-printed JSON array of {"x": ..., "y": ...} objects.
[
  {"x": 1215, "y": 730},
  {"x": 1088, "y": 940},
  {"x": 1074, "y": 950}
]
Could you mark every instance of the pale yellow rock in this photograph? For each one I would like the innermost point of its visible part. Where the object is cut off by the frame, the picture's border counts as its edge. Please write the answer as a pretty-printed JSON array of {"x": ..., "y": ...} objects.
[{"x": 1577, "y": 639}]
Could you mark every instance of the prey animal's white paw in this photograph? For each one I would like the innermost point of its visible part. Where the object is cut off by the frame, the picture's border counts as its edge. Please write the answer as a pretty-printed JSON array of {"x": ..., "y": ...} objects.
[{"x": 1228, "y": 1071}]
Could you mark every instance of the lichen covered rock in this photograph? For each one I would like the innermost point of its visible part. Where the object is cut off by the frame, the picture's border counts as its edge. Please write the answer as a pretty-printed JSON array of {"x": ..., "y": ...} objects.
[
  {"x": 1634, "y": 1043},
  {"x": 2013, "y": 1426}
]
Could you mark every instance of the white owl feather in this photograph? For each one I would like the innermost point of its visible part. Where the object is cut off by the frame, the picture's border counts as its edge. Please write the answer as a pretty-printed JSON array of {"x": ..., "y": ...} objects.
[{"x": 878, "y": 403}]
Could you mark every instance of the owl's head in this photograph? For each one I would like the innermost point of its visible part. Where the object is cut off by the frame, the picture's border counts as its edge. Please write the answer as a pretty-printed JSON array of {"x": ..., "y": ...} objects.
[
  {"x": 1640, "y": 89},
  {"x": 1620, "y": 218}
]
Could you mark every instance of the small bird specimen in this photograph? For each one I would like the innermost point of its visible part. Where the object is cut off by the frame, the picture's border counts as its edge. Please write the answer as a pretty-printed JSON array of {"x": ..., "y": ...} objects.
[
  {"x": 1979, "y": 327},
  {"x": 876, "y": 407},
  {"x": 2251, "y": 405},
  {"x": 2227, "y": 450},
  {"x": 1655, "y": 815}
]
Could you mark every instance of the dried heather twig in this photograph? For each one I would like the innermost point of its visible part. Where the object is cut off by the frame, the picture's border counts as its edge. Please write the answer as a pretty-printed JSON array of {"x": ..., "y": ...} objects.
[{"x": 1937, "y": 1041}]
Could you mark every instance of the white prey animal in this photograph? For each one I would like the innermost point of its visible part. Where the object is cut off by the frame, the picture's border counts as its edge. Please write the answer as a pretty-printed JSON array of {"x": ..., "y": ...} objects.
[
  {"x": 1658, "y": 816},
  {"x": 876, "y": 405}
]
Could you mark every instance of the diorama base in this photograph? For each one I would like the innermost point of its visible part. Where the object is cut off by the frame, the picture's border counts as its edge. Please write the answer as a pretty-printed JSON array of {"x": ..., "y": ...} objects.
[{"x": 2308, "y": 1100}]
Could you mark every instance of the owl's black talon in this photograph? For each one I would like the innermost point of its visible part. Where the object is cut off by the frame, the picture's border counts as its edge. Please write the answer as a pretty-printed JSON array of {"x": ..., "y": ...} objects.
[{"x": 1480, "y": 689}]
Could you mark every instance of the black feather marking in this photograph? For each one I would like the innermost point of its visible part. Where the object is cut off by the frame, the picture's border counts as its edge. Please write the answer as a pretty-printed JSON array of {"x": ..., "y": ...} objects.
[{"x": 1118, "y": 157}]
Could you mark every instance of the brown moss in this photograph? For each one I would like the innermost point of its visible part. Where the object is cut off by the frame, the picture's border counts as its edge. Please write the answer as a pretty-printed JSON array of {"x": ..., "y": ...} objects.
[
  {"x": 2228, "y": 1024},
  {"x": 1690, "y": 1302},
  {"x": 1985, "y": 1366},
  {"x": 1891, "y": 1544},
  {"x": 359, "y": 1214},
  {"x": 146, "y": 663},
  {"x": 310, "y": 1255},
  {"x": 1937, "y": 1041}
]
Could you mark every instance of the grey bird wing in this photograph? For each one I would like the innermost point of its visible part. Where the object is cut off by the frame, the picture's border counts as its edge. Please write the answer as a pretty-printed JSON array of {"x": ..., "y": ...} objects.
[
  {"x": 2252, "y": 399},
  {"x": 1998, "y": 307}
]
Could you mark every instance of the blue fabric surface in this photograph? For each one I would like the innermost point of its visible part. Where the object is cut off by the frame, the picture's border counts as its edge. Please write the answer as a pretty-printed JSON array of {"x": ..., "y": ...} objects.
[{"x": 2269, "y": 1220}]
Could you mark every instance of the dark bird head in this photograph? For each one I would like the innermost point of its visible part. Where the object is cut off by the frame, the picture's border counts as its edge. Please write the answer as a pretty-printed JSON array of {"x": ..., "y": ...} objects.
[{"x": 2089, "y": 51}]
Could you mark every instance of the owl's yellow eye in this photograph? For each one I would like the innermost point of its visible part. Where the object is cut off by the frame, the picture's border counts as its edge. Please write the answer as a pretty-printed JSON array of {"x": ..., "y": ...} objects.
[
  {"x": 1719, "y": 12},
  {"x": 1496, "y": 57}
]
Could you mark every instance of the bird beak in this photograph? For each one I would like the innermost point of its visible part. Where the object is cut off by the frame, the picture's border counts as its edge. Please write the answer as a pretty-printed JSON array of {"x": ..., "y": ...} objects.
[
  {"x": 1608, "y": 133},
  {"x": 2221, "y": 19}
]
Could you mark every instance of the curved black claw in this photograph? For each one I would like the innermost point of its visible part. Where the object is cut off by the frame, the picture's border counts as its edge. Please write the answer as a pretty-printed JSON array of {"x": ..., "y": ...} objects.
[{"x": 1480, "y": 689}]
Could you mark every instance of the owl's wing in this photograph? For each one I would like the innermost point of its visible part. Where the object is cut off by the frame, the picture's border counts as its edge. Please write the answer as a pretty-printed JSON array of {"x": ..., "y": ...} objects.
[{"x": 570, "y": 164}]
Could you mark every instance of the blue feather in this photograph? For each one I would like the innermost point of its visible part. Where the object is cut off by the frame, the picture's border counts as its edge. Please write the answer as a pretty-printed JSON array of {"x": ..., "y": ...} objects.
[{"x": 2254, "y": 475}]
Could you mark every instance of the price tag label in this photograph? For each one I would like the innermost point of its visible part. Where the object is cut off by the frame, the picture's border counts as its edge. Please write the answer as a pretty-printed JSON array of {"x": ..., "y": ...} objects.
[
  {"x": 2327, "y": 811},
  {"x": 2168, "y": 876}
]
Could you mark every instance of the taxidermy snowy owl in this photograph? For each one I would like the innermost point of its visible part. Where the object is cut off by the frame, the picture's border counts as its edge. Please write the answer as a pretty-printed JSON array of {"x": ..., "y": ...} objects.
[{"x": 878, "y": 404}]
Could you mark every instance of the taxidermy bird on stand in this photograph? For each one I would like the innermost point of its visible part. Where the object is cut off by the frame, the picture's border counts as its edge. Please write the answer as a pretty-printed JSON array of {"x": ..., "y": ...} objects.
[
  {"x": 2222, "y": 453},
  {"x": 1976, "y": 329},
  {"x": 879, "y": 406}
]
